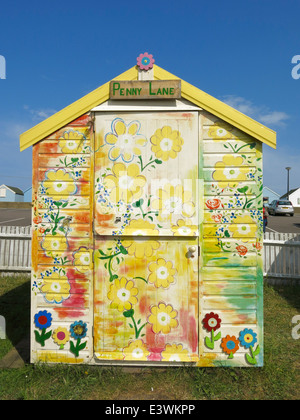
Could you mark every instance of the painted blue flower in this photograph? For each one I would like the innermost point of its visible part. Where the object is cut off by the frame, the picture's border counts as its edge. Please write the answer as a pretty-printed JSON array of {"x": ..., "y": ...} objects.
[
  {"x": 247, "y": 338},
  {"x": 78, "y": 330},
  {"x": 43, "y": 320}
]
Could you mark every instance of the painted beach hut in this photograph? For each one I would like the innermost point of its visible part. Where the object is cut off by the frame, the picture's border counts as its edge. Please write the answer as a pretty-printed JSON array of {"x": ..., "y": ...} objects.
[{"x": 147, "y": 227}]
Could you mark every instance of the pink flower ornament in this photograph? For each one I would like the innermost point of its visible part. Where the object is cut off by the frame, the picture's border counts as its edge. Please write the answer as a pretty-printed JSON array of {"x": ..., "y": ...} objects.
[{"x": 145, "y": 61}]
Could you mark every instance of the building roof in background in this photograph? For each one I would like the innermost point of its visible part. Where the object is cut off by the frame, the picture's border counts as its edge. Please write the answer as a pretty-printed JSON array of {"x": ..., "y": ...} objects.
[
  {"x": 286, "y": 195},
  {"x": 269, "y": 189},
  {"x": 13, "y": 189}
]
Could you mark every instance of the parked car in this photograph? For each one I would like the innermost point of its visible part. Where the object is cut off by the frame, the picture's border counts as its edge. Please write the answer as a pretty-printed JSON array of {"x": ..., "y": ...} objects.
[{"x": 281, "y": 207}]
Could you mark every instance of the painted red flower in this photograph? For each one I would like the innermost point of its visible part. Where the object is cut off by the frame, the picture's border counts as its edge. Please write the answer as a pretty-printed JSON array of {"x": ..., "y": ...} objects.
[
  {"x": 242, "y": 250},
  {"x": 37, "y": 220},
  {"x": 213, "y": 203},
  {"x": 145, "y": 61},
  {"x": 211, "y": 322},
  {"x": 217, "y": 218},
  {"x": 258, "y": 246}
]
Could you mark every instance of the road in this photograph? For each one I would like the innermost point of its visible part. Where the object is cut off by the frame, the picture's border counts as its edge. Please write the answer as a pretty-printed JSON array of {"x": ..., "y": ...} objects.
[
  {"x": 15, "y": 217},
  {"x": 284, "y": 224}
]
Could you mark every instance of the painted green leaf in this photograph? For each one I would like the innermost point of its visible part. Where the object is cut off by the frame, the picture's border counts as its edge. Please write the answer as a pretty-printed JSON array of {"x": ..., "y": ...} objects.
[
  {"x": 129, "y": 313},
  {"x": 208, "y": 343},
  {"x": 243, "y": 190},
  {"x": 250, "y": 359},
  {"x": 257, "y": 351},
  {"x": 138, "y": 203},
  {"x": 82, "y": 346},
  {"x": 123, "y": 250},
  {"x": 37, "y": 336},
  {"x": 73, "y": 349},
  {"x": 218, "y": 336}
]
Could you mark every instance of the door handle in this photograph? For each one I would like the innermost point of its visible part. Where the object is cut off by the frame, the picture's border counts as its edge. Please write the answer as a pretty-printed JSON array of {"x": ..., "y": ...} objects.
[{"x": 191, "y": 251}]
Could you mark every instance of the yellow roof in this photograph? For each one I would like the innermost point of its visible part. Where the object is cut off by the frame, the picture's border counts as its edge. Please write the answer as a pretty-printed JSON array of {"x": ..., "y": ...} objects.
[{"x": 189, "y": 92}]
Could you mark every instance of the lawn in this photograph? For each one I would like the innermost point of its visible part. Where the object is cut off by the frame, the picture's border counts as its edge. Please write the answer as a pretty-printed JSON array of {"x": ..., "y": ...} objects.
[{"x": 278, "y": 379}]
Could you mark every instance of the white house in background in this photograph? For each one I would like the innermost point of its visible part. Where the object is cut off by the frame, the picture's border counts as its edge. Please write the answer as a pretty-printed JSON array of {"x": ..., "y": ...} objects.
[
  {"x": 11, "y": 194},
  {"x": 269, "y": 195},
  {"x": 28, "y": 195},
  {"x": 293, "y": 196}
]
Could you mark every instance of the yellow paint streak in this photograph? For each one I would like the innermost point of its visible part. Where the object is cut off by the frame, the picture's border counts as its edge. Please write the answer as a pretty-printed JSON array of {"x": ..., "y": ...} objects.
[
  {"x": 207, "y": 360},
  {"x": 55, "y": 357}
]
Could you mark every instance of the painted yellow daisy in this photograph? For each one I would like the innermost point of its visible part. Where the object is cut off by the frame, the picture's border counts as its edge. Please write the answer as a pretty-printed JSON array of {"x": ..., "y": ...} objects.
[
  {"x": 71, "y": 141},
  {"x": 56, "y": 288},
  {"x": 125, "y": 140},
  {"x": 175, "y": 353},
  {"x": 174, "y": 200},
  {"x": 54, "y": 244},
  {"x": 230, "y": 169},
  {"x": 82, "y": 260},
  {"x": 220, "y": 131},
  {"x": 166, "y": 143},
  {"x": 122, "y": 294},
  {"x": 126, "y": 183},
  {"x": 184, "y": 228},
  {"x": 140, "y": 248},
  {"x": 136, "y": 350},
  {"x": 242, "y": 228},
  {"x": 61, "y": 336},
  {"x": 59, "y": 184},
  {"x": 162, "y": 273},
  {"x": 162, "y": 318}
]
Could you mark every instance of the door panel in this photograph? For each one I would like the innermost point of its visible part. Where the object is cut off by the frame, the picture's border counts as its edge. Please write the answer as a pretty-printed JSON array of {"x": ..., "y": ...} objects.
[
  {"x": 146, "y": 308},
  {"x": 146, "y": 237},
  {"x": 146, "y": 170}
]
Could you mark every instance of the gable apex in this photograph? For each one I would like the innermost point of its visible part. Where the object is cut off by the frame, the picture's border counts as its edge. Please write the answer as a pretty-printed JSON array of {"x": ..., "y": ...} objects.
[{"x": 189, "y": 92}]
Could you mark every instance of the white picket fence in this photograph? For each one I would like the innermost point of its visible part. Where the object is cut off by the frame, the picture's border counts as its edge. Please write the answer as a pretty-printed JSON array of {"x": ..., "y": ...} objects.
[
  {"x": 281, "y": 253},
  {"x": 282, "y": 256},
  {"x": 15, "y": 249}
]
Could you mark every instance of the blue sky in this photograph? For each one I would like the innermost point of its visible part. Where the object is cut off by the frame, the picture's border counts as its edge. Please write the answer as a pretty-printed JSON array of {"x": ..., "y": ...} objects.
[{"x": 237, "y": 51}]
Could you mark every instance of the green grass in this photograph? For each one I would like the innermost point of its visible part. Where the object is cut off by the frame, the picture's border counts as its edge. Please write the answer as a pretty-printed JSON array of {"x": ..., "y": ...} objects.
[
  {"x": 15, "y": 307},
  {"x": 278, "y": 379}
]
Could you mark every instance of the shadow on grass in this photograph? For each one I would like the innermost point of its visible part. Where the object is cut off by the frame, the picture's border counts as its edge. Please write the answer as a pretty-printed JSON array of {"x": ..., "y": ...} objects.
[
  {"x": 15, "y": 308},
  {"x": 291, "y": 293}
]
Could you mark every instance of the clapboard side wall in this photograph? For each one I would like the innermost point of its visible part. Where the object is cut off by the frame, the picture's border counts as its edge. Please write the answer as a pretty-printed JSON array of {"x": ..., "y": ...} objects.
[
  {"x": 231, "y": 261},
  {"x": 62, "y": 271}
]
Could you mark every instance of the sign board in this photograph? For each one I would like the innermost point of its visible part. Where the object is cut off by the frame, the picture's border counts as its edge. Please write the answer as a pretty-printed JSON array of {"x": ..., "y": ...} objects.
[{"x": 145, "y": 89}]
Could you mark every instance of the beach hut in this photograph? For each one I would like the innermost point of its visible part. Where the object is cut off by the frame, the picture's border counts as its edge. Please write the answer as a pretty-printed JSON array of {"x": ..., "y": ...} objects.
[{"x": 147, "y": 227}]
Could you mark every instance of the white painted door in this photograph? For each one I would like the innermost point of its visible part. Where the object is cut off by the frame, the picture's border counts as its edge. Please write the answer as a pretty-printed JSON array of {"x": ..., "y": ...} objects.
[{"x": 146, "y": 236}]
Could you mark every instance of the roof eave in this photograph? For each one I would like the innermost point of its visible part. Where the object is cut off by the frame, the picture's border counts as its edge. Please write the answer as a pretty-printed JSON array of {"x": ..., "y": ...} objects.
[
  {"x": 71, "y": 112},
  {"x": 221, "y": 110}
]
